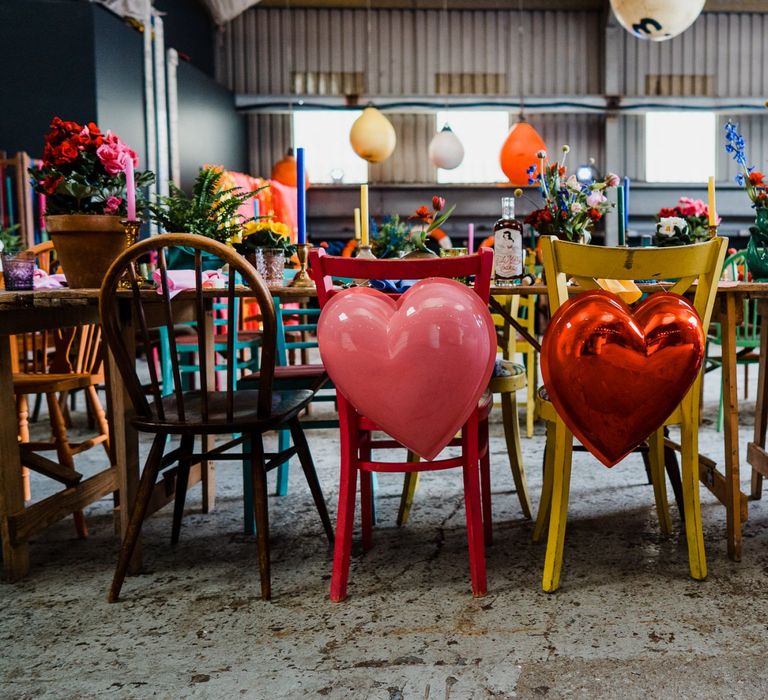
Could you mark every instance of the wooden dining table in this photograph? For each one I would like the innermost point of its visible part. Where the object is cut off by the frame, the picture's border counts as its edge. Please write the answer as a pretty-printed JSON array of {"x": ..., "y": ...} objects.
[{"x": 47, "y": 309}]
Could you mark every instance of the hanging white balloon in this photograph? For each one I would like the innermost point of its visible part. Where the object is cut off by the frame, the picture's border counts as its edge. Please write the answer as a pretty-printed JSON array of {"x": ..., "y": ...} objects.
[
  {"x": 656, "y": 20},
  {"x": 445, "y": 150}
]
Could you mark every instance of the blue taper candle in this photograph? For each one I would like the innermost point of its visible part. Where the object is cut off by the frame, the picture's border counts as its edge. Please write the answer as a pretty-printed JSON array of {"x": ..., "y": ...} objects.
[
  {"x": 620, "y": 202},
  {"x": 301, "y": 194}
]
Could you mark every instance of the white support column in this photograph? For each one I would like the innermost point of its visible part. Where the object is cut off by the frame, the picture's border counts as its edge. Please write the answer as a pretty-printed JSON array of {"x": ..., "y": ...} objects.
[
  {"x": 161, "y": 104},
  {"x": 172, "y": 63},
  {"x": 613, "y": 86},
  {"x": 149, "y": 109}
]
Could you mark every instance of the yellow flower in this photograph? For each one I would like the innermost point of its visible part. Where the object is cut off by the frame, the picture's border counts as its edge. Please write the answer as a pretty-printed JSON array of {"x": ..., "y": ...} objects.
[{"x": 266, "y": 226}]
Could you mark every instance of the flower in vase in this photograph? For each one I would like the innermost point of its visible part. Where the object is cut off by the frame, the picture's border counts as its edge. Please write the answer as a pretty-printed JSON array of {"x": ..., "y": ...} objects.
[
  {"x": 595, "y": 199},
  {"x": 671, "y": 226}
]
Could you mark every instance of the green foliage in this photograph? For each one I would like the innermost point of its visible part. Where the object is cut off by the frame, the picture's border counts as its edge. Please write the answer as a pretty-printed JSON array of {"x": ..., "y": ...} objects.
[
  {"x": 210, "y": 211},
  {"x": 392, "y": 239},
  {"x": 9, "y": 241}
]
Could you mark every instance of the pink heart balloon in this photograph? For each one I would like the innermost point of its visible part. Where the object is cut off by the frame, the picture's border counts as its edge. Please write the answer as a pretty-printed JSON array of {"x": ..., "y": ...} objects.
[{"x": 417, "y": 366}]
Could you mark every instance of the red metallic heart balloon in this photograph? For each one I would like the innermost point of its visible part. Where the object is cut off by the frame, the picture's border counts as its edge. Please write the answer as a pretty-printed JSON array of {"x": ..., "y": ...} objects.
[
  {"x": 615, "y": 376},
  {"x": 416, "y": 366}
]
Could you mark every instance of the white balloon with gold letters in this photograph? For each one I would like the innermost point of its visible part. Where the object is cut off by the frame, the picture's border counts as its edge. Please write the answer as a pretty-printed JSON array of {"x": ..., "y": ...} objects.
[{"x": 656, "y": 20}]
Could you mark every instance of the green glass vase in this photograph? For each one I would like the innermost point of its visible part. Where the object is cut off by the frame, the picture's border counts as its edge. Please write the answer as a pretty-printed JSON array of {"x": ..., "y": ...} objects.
[{"x": 757, "y": 248}]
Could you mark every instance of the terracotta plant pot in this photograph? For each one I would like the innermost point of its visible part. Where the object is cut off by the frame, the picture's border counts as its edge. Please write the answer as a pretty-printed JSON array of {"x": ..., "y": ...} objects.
[{"x": 86, "y": 245}]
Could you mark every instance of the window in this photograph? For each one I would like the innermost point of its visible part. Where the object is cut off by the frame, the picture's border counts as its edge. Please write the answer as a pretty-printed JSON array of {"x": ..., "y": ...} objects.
[
  {"x": 680, "y": 146},
  {"x": 482, "y": 134},
  {"x": 324, "y": 135}
]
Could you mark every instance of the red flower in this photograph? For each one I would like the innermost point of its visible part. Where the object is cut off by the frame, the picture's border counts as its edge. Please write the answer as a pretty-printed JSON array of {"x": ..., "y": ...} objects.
[
  {"x": 51, "y": 183},
  {"x": 438, "y": 203},
  {"x": 64, "y": 153},
  {"x": 546, "y": 216},
  {"x": 666, "y": 212},
  {"x": 756, "y": 178},
  {"x": 595, "y": 214},
  {"x": 561, "y": 171},
  {"x": 421, "y": 213}
]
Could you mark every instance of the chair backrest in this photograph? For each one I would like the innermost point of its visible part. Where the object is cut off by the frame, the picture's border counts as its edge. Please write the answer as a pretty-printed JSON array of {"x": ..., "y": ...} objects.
[
  {"x": 324, "y": 268},
  {"x": 151, "y": 309},
  {"x": 700, "y": 263},
  {"x": 299, "y": 320},
  {"x": 45, "y": 256}
]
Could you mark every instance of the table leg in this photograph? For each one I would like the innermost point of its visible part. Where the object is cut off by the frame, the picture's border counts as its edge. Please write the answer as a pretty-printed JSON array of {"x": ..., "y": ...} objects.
[
  {"x": 756, "y": 450},
  {"x": 124, "y": 438},
  {"x": 208, "y": 467},
  {"x": 731, "y": 426},
  {"x": 15, "y": 556}
]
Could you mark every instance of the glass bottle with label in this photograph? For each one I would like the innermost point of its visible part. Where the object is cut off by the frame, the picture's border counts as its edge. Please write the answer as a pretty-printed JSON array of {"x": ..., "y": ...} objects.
[{"x": 507, "y": 246}]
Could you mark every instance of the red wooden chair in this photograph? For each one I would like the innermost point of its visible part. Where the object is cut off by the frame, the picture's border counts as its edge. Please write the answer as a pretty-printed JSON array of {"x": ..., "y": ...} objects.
[{"x": 357, "y": 441}]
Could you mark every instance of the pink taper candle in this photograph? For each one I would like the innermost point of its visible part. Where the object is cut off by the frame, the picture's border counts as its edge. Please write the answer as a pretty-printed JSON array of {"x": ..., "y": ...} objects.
[
  {"x": 471, "y": 238},
  {"x": 130, "y": 191}
]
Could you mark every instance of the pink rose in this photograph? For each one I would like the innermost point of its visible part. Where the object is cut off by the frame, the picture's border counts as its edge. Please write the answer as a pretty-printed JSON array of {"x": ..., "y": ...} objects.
[
  {"x": 595, "y": 199},
  {"x": 115, "y": 155},
  {"x": 112, "y": 204},
  {"x": 612, "y": 180}
]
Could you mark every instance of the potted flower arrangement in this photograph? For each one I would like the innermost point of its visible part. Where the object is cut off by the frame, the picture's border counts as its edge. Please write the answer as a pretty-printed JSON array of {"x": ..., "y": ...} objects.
[
  {"x": 209, "y": 211},
  {"x": 399, "y": 238},
  {"x": 688, "y": 222},
  {"x": 266, "y": 244},
  {"x": 754, "y": 182},
  {"x": 571, "y": 209},
  {"x": 83, "y": 178}
]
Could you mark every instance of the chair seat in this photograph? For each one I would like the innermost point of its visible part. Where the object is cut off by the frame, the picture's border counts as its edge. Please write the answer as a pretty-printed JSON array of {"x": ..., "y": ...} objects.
[
  {"x": 285, "y": 405},
  {"x": 293, "y": 377},
  {"x": 31, "y": 383},
  {"x": 512, "y": 379}
]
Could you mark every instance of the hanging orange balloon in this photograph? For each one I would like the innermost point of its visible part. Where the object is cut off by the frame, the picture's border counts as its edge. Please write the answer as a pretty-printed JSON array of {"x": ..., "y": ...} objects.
[
  {"x": 284, "y": 171},
  {"x": 519, "y": 152}
]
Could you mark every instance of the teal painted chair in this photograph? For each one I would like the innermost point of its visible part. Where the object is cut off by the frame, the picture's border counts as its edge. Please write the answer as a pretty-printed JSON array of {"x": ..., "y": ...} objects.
[
  {"x": 296, "y": 328},
  {"x": 747, "y": 333}
]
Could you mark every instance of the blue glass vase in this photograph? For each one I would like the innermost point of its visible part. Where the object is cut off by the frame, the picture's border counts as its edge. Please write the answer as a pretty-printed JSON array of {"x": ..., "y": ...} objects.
[{"x": 757, "y": 248}]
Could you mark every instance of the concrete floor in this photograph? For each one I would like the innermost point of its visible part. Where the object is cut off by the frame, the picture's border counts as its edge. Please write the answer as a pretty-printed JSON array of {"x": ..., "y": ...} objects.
[{"x": 627, "y": 623}]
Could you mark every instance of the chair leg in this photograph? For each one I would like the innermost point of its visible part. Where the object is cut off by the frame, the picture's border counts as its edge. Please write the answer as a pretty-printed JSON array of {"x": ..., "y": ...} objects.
[
  {"x": 22, "y": 412},
  {"x": 512, "y": 437},
  {"x": 138, "y": 513},
  {"x": 673, "y": 474},
  {"x": 261, "y": 509},
  {"x": 308, "y": 466},
  {"x": 485, "y": 482},
  {"x": 561, "y": 480},
  {"x": 410, "y": 484},
  {"x": 283, "y": 443},
  {"x": 100, "y": 417},
  {"x": 658, "y": 479},
  {"x": 182, "y": 484},
  {"x": 542, "y": 516},
  {"x": 689, "y": 462},
  {"x": 366, "y": 514},
  {"x": 64, "y": 453},
  {"x": 249, "y": 521},
  {"x": 530, "y": 405},
  {"x": 36, "y": 408},
  {"x": 473, "y": 508},
  {"x": 345, "y": 517}
]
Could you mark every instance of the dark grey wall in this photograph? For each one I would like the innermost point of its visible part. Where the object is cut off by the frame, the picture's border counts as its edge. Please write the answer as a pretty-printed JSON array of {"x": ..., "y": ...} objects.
[
  {"x": 119, "y": 80},
  {"x": 189, "y": 29},
  {"x": 47, "y": 58},
  {"x": 210, "y": 130}
]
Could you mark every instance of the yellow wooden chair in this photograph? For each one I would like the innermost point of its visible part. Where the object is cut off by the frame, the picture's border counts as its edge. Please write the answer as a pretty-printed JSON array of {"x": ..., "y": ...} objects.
[
  {"x": 507, "y": 384},
  {"x": 699, "y": 263}
]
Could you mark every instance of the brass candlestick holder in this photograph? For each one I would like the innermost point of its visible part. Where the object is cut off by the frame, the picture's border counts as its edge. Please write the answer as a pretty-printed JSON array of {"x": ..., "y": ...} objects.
[
  {"x": 364, "y": 252},
  {"x": 131, "y": 229},
  {"x": 302, "y": 279},
  {"x": 713, "y": 230}
]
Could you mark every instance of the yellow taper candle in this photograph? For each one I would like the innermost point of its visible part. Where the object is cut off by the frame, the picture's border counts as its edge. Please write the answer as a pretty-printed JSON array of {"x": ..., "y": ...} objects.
[
  {"x": 357, "y": 224},
  {"x": 364, "y": 215},
  {"x": 712, "y": 212}
]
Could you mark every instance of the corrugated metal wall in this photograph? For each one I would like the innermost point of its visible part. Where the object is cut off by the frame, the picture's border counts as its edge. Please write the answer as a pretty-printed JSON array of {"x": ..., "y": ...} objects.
[
  {"x": 271, "y": 51},
  {"x": 731, "y": 47},
  {"x": 561, "y": 50}
]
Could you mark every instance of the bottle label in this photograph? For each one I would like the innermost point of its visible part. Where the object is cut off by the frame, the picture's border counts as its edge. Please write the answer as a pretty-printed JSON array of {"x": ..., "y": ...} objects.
[{"x": 508, "y": 253}]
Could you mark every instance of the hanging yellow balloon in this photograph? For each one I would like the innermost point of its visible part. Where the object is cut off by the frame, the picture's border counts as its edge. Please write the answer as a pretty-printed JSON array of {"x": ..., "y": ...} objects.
[
  {"x": 372, "y": 136},
  {"x": 656, "y": 20}
]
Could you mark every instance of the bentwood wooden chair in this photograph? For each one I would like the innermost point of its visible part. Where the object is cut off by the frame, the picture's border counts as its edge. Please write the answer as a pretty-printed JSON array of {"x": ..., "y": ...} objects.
[
  {"x": 357, "y": 431},
  {"x": 700, "y": 264},
  {"x": 204, "y": 412}
]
